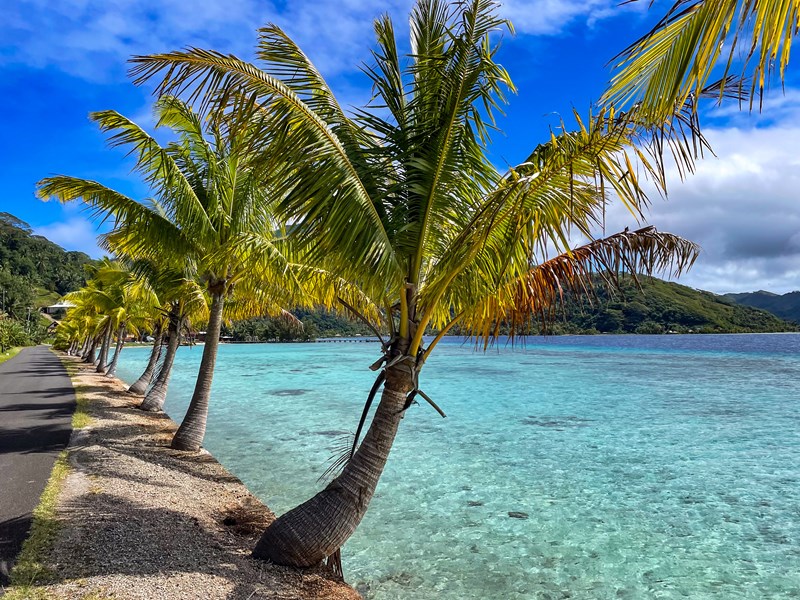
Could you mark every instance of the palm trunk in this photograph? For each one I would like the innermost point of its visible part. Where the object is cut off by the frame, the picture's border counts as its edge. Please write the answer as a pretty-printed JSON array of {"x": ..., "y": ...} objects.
[
  {"x": 101, "y": 361},
  {"x": 193, "y": 428},
  {"x": 316, "y": 529},
  {"x": 112, "y": 369},
  {"x": 140, "y": 385},
  {"x": 155, "y": 397},
  {"x": 89, "y": 358},
  {"x": 84, "y": 347}
]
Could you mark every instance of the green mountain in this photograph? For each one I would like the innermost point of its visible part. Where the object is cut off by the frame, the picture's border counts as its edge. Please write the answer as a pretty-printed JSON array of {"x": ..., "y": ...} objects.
[
  {"x": 656, "y": 306},
  {"x": 651, "y": 306},
  {"x": 786, "y": 306},
  {"x": 33, "y": 270}
]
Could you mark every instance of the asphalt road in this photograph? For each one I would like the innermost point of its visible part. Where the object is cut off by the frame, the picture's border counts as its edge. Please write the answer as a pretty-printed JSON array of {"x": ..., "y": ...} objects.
[{"x": 36, "y": 405}]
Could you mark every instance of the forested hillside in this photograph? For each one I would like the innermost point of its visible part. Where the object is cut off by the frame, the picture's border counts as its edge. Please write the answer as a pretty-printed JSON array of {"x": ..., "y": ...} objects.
[
  {"x": 786, "y": 306},
  {"x": 33, "y": 270},
  {"x": 656, "y": 306},
  {"x": 650, "y": 307}
]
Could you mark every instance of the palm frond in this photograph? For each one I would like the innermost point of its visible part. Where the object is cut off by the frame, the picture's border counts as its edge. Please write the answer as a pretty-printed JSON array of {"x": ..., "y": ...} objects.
[{"x": 678, "y": 56}]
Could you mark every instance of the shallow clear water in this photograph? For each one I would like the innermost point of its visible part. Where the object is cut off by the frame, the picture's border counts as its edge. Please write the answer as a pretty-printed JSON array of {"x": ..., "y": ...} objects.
[{"x": 649, "y": 467}]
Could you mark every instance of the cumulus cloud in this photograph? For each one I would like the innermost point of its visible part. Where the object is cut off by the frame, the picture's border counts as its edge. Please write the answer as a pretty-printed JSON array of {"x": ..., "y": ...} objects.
[
  {"x": 92, "y": 39},
  {"x": 551, "y": 17},
  {"x": 75, "y": 233},
  {"x": 742, "y": 207}
]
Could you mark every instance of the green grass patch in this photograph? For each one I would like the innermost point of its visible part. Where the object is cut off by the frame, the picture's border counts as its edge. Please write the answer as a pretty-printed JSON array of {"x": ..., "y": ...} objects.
[
  {"x": 30, "y": 571},
  {"x": 10, "y": 353},
  {"x": 81, "y": 418}
]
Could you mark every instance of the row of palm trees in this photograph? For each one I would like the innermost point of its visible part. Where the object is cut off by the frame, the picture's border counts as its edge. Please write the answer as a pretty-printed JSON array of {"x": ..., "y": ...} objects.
[{"x": 271, "y": 195}]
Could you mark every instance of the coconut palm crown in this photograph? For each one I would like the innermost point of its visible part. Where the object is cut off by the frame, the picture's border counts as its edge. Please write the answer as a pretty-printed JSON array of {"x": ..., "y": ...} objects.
[
  {"x": 400, "y": 199},
  {"x": 209, "y": 213}
]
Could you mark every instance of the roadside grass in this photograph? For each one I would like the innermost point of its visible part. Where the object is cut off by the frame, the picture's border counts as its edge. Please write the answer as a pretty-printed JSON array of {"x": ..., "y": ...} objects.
[
  {"x": 10, "y": 353},
  {"x": 30, "y": 575},
  {"x": 80, "y": 418},
  {"x": 30, "y": 572}
]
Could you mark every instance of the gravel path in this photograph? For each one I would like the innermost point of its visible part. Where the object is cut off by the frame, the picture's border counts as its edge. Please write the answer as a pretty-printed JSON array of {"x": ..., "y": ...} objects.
[{"x": 144, "y": 521}]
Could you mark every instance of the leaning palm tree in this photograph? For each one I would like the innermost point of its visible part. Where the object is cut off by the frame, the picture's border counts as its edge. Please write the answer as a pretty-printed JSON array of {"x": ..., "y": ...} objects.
[
  {"x": 211, "y": 213},
  {"x": 401, "y": 201},
  {"x": 175, "y": 291},
  {"x": 739, "y": 43},
  {"x": 183, "y": 301},
  {"x": 136, "y": 305},
  {"x": 101, "y": 297}
]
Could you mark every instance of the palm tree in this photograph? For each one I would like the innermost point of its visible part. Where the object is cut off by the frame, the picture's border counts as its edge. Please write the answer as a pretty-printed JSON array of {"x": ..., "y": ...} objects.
[
  {"x": 211, "y": 213},
  {"x": 402, "y": 201},
  {"x": 175, "y": 291},
  {"x": 145, "y": 379},
  {"x": 100, "y": 298},
  {"x": 183, "y": 301},
  {"x": 122, "y": 302},
  {"x": 680, "y": 55}
]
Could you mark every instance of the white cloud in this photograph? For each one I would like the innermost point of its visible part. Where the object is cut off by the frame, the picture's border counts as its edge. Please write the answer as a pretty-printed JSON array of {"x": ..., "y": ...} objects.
[
  {"x": 742, "y": 207},
  {"x": 92, "y": 39},
  {"x": 76, "y": 233},
  {"x": 551, "y": 17}
]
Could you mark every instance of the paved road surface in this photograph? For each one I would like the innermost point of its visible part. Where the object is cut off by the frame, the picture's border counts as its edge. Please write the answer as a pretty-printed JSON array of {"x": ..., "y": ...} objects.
[{"x": 36, "y": 405}]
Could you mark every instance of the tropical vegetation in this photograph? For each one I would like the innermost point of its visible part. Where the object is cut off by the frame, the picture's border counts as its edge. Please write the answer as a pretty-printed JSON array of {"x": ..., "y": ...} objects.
[
  {"x": 272, "y": 195},
  {"x": 209, "y": 213},
  {"x": 651, "y": 306},
  {"x": 34, "y": 272},
  {"x": 735, "y": 47},
  {"x": 786, "y": 306},
  {"x": 401, "y": 200}
]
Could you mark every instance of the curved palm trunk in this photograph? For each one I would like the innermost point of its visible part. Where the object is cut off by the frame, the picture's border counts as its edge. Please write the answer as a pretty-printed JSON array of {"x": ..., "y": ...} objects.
[
  {"x": 311, "y": 532},
  {"x": 193, "y": 428},
  {"x": 90, "y": 354},
  {"x": 112, "y": 369},
  {"x": 140, "y": 385},
  {"x": 103, "y": 358},
  {"x": 155, "y": 397},
  {"x": 84, "y": 347}
]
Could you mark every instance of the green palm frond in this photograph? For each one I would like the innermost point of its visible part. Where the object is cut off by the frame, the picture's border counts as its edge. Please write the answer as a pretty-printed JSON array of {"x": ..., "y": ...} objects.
[
  {"x": 535, "y": 293},
  {"x": 679, "y": 56},
  {"x": 399, "y": 198}
]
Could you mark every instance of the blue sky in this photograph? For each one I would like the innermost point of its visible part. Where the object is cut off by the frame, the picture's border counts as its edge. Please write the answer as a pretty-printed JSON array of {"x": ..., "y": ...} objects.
[{"x": 61, "y": 59}]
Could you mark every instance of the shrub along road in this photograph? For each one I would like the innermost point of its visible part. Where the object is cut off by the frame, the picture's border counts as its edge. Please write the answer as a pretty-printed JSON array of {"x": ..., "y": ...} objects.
[{"x": 36, "y": 405}]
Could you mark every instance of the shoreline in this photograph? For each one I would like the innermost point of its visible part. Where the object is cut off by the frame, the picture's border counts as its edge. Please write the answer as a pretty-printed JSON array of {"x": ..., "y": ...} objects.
[{"x": 139, "y": 520}]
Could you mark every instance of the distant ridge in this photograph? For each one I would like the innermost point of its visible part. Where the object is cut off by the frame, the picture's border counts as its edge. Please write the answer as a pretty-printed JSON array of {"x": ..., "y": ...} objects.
[
  {"x": 785, "y": 306},
  {"x": 657, "y": 306}
]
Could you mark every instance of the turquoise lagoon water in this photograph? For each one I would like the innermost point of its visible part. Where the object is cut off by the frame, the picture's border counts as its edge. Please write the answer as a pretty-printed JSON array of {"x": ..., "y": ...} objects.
[{"x": 649, "y": 467}]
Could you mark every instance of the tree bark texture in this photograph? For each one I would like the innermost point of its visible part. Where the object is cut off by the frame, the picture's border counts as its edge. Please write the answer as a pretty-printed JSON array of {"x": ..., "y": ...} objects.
[
  {"x": 157, "y": 394},
  {"x": 101, "y": 361},
  {"x": 140, "y": 385},
  {"x": 311, "y": 532},
  {"x": 193, "y": 428},
  {"x": 90, "y": 356},
  {"x": 112, "y": 369}
]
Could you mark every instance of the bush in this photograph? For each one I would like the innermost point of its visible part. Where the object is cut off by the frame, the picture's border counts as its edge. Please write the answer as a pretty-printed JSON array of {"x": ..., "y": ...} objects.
[{"x": 12, "y": 333}]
